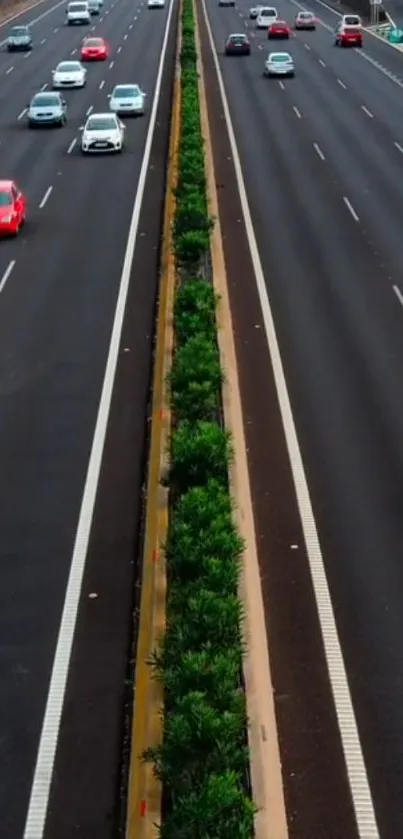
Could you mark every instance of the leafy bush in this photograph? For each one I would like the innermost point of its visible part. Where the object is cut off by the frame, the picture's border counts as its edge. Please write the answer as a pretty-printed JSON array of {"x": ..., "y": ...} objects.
[{"x": 203, "y": 760}]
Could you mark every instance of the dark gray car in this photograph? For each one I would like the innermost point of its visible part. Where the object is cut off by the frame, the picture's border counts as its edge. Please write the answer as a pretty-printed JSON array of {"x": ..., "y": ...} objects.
[
  {"x": 19, "y": 38},
  {"x": 47, "y": 108}
]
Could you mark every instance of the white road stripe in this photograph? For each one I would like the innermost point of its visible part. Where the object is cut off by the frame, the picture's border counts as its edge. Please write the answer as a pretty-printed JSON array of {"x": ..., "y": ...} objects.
[
  {"x": 119, "y": 49},
  {"x": 344, "y": 86},
  {"x": 88, "y": 111},
  {"x": 71, "y": 146},
  {"x": 45, "y": 197},
  {"x": 101, "y": 84},
  {"x": 22, "y": 114},
  {"x": 10, "y": 70},
  {"x": 42, "y": 779},
  {"x": 350, "y": 208},
  {"x": 296, "y": 111},
  {"x": 6, "y": 274},
  {"x": 43, "y": 41},
  {"x": 111, "y": 65},
  {"x": 367, "y": 112},
  {"x": 397, "y": 291},
  {"x": 282, "y": 85},
  {"x": 322, "y": 62},
  {"x": 307, "y": 47},
  {"x": 44, "y": 86},
  {"x": 399, "y": 147},
  {"x": 319, "y": 151}
]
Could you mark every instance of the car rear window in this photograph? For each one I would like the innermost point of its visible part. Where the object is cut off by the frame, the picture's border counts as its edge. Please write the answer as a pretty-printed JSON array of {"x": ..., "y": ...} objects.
[
  {"x": 5, "y": 199},
  {"x": 305, "y": 16},
  {"x": 93, "y": 42},
  {"x": 279, "y": 59},
  {"x": 78, "y": 7},
  {"x": 351, "y": 20},
  {"x": 122, "y": 92}
]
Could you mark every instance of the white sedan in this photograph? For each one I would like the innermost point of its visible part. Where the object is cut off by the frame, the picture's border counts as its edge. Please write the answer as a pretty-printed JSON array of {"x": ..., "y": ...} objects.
[
  {"x": 69, "y": 74},
  {"x": 279, "y": 64},
  {"x": 103, "y": 133},
  {"x": 156, "y": 4},
  {"x": 127, "y": 99}
]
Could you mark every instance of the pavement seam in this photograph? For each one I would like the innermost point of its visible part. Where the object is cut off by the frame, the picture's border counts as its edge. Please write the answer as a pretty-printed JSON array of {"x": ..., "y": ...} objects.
[
  {"x": 264, "y": 751},
  {"x": 145, "y": 791}
]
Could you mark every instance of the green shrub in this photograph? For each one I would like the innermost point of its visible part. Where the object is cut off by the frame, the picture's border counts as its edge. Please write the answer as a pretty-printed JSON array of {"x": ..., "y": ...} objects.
[
  {"x": 200, "y": 452},
  {"x": 202, "y": 761},
  {"x": 194, "y": 312}
]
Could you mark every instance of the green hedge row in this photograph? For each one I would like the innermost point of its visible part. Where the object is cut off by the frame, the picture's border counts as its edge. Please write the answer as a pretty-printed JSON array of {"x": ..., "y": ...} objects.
[{"x": 203, "y": 761}]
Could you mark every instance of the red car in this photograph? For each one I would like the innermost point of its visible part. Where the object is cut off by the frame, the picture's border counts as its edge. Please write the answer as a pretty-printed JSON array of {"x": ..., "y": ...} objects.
[
  {"x": 237, "y": 45},
  {"x": 13, "y": 207},
  {"x": 94, "y": 49},
  {"x": 349, "y": 36},
  {"x": 278, "y": 29}
]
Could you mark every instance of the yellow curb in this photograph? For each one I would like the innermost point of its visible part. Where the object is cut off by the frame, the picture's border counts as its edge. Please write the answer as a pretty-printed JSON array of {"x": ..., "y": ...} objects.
[
  {"x": 145, "y": 792},
  {"x": 265, "y": 764}
]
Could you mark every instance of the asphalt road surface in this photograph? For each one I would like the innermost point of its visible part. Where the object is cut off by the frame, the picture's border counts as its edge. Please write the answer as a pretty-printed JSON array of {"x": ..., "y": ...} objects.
[
  {"x": 59, "y": 283},
  {"x": 322, "y": 158}
]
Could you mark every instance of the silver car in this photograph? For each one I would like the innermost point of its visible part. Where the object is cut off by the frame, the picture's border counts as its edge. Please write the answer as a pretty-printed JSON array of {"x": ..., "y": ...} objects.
[
  {"x": 19, "y": 39},
  {"x": 279, "y": 64},
  {"x": 47, "y": 109},
  {"x": 127, "y": 99}
]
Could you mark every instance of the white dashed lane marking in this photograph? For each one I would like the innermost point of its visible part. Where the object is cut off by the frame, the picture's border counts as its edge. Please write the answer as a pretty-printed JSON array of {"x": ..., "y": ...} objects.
[
  {"x": 6, "y": 274},
  {"x": 45, "y": 197},
  {"x": 367, "y": 112},
  {"x": 71, "y": 146},
  {"x": 350, "y": 208},
  {"x": 319, "y": 151},
  {"x": 339, "y": 81},
  {"x": 296, "y": 112}
]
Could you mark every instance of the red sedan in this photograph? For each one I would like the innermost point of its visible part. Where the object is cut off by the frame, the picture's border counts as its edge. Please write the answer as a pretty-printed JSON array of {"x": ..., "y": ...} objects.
[
  {"x": 13, "y": 207},
  {"x": 94, "y": 49},
  {"x": 349, "y": 36},
  {"x": 278, "y": 29}
]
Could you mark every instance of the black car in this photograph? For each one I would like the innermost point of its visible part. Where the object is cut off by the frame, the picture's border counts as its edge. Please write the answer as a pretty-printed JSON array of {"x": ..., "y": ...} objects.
[{"x": 237, "y": 45}]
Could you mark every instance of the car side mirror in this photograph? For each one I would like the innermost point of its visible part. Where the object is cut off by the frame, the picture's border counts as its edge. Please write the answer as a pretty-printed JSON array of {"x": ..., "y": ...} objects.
[{"x": 109, "y": 95}]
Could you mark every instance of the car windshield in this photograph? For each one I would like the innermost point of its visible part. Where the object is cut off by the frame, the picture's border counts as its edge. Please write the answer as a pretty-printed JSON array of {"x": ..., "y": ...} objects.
[
  {"x": 5, "y": 199},
  {"x": 44, "y": 100},
  {"x": 126, "y": 92},
  {"x": 278, "y": 59},
  {"x": 93, "y": 42},
  {"x": 68, "y": 67},
  {"x": 101, "y": 124}
]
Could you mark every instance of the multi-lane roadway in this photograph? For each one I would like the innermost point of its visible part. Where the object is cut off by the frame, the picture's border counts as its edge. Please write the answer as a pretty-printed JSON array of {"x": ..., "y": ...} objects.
[
  {"x": 64, "y": 283},
  {"x": 322, "y": 162}
]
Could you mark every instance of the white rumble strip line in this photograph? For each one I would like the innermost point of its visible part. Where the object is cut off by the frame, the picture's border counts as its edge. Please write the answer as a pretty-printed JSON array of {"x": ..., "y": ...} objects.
[
  {"x": 350, "y": 208},
  {"x": 71, "y": 146},
  {"x": 319, "y": 151},
  {"x": 6, "y": 274},
  {"x": 367, "y": 827},
  {"x": 45, "y": 759},
  {"x": 45, "y": 197}
]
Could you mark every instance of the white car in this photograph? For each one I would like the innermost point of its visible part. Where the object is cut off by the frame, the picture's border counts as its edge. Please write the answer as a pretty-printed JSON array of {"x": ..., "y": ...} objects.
[
  {"x": 266, "y": 16},
  {"x": 103, "y": 133},
  {"x": 69, "y": 74},
  {"x": 78, "y": 13},
  {"x": 127, "y": 99},
  {"x": 279, "y": 64},
  {"x": 156, "y": 4},
  {"x": 351, "y": 20}
]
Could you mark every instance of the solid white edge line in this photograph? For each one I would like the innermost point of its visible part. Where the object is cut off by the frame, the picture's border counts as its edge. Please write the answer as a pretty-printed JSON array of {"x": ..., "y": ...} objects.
[
  {"x": 45, "y": 197},
  {"x": 350, "y": 208},
  {"x": 39, "y": 798},
  {"x": 357, "y": 774},
  {"x": 6, "y": 274},
  {"x": 396, "y": 289}
]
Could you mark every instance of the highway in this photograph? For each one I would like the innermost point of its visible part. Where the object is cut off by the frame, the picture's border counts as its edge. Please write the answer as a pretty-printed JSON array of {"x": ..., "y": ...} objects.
[
  {"x": 59, "y": 286},
  {"x": 322, "y": 161}
]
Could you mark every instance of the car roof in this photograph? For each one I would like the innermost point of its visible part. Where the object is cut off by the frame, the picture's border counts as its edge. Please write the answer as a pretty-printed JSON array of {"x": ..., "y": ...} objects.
[
  {"x": 279, "y": 55},
  {"x": 5, "y": 185},
  {"x": 43, "y": 94},
  {"x": 264, "y": 9},
  {"x": 103, "y": 115},
  {"x": 305, "y": 14},
  {"x": 237, "y": 35},
  {"x": 126, "y": 84}
]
